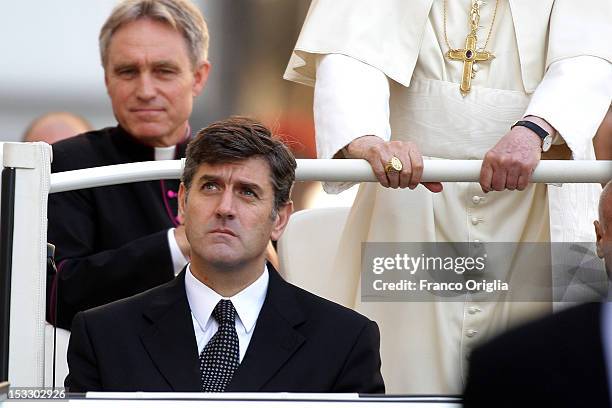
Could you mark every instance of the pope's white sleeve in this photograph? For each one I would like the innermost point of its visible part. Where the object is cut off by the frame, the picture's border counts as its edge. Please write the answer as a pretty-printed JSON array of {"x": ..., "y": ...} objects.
[
  {"x": 351, "y": 99},
  {"x": 178, "y": 259},
  {"x": 573, "y": 97}
]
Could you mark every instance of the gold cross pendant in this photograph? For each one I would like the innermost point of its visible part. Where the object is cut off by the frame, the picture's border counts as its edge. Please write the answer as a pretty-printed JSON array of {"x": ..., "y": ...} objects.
[{"x": 469, "y": 55}]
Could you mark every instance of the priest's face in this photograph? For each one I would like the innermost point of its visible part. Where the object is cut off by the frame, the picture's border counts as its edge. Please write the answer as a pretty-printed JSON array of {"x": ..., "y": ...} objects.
[
  {"x": 152, "y": 82},
  {"x": 228, "y": 215}
]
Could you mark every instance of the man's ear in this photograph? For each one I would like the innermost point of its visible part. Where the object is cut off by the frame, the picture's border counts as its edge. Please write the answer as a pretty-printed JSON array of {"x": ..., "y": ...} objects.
[
  {"x": 599, "y": 235},
  {"x": 281, "y": 220},
  {"x": 200, "y": 77},
  {"x": 182, "y": 200}
]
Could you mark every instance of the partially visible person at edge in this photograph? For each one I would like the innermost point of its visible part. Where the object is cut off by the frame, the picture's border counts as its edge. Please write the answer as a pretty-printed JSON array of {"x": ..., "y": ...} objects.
[{"x": 500, "y": 81}]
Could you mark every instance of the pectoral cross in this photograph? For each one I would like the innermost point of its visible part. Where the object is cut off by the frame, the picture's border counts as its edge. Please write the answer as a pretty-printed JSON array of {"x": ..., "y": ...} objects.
[{"x": 469, "y": 55}]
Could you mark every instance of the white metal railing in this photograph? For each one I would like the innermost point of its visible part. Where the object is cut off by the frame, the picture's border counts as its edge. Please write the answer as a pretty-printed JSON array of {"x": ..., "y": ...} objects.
[
  {"x": 548, "y": 171},
  {"x": 31, "y": 162}
]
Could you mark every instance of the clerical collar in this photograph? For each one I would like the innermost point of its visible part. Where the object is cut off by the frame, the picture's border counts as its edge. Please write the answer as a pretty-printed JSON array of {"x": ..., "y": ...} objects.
[
  {"x": 169, "y": 152},
  {"x": 133, "y": 146},
  {"x": 165, "y": 153}
]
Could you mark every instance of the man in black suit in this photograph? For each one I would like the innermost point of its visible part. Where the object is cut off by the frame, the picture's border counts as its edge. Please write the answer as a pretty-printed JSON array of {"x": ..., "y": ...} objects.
[
  {"x": 113, "y": 242},
  {"x": 229, "y": 322},
  {"x": 562, "y": 360}
]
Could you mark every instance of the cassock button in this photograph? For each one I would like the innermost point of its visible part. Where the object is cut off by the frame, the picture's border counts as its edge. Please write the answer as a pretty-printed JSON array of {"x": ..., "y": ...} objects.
[
  {"x": 476, "y": 199},
  {"x": 475, "y": 220},
  {"x": 473, "y": 310},
  {"x": 471, "y": 333}
]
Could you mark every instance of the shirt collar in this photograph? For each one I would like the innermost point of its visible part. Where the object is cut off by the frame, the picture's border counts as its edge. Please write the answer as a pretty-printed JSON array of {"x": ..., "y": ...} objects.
[{"x": 248, "y": 302}]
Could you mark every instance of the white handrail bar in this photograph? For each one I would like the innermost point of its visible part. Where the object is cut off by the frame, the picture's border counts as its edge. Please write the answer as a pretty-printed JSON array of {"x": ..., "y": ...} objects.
[{"x": 548, "y": 171}]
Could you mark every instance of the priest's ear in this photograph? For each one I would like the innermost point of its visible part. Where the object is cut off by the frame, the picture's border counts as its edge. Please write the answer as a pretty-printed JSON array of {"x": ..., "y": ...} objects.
[{"x": 200, "y": 76}]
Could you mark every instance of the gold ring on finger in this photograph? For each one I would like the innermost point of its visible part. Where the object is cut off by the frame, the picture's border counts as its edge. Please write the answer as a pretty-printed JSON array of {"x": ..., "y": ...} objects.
[{"x": 394, "y": 165}]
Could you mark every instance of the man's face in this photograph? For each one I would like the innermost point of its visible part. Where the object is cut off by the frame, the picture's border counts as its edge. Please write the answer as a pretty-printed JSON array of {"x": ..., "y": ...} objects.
[
  {"x": 228, "y": 214},
  {"x": 151, "y": 81}
]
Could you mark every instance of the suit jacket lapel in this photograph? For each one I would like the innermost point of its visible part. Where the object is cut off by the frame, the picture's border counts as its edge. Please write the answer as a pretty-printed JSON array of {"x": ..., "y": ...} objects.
[
  {"x": 274, "y": 340},
  {"x": 170, "y": 340}
]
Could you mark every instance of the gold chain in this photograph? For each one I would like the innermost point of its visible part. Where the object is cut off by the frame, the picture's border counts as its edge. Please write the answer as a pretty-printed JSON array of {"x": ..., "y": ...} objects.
[{"x": 474, "y": 22}]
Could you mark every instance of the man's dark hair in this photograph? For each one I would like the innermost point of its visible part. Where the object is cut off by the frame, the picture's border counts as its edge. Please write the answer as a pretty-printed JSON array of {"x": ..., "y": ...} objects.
[{"x": 239, "y": 138}]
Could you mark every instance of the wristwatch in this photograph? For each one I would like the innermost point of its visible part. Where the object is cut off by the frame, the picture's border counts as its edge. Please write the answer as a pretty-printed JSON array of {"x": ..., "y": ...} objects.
[{"x": 537, "y": 129}]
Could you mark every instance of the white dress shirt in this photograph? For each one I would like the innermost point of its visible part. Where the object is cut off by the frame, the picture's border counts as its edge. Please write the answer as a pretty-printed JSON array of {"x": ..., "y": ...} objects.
[{"x": 202, "y": 301}]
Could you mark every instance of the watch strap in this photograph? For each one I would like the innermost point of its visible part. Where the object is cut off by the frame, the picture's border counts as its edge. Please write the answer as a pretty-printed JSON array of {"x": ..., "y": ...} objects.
[{"x": 537, "y": 129}]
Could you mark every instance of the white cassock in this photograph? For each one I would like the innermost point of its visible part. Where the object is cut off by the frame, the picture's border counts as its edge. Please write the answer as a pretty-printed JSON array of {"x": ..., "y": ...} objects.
[{"x": 379, "y": 68}]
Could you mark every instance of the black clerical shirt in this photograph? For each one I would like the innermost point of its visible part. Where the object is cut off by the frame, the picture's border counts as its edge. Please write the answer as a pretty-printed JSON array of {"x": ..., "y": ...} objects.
[{"x": 111, "y": 242}]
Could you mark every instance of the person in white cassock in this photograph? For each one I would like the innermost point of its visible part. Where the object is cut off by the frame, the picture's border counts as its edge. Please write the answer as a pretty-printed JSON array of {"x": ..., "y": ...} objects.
[{"x": 397, "y": 81}]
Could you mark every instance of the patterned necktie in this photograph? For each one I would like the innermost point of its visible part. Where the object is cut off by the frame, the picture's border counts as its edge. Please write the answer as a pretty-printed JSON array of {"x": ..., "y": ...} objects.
[{"x": 219, "y": 358}]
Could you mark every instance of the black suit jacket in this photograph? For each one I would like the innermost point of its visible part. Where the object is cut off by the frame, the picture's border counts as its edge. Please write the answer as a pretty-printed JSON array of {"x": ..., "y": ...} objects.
[
  {"x": 557, "y": 361},
  {"x": 111, "y": 241},
  {"x": 301, "y": 343}
]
